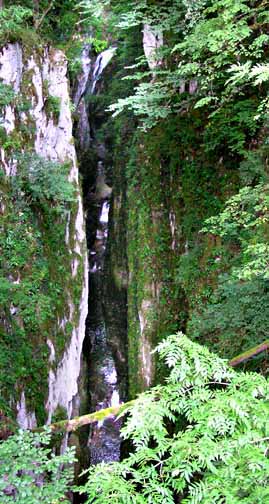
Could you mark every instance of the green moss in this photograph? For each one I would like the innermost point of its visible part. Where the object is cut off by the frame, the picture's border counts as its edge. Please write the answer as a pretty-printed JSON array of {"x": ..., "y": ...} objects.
[
  {"x": 3, "y": 135},
  {"x": 32, "y": 251},
  {"x": 172, "y": 188},
  {"x": 59, "y": 414},
  {"x": 53, "y": 107},
  {"x": 13, "y": 142},
  {"x": 36, "y": 282}
]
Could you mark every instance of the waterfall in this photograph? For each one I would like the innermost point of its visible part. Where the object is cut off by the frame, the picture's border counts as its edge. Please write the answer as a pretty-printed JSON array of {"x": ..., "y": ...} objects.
[
  {"x": 101, "y": 63},
  {"x": 85, "y": 74},
  {"x": 104, "y": 443},
  {"x": 102, "y": 378}
]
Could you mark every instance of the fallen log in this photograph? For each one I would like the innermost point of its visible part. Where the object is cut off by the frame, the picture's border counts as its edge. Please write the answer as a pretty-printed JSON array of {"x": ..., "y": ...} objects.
[
  {"x": 99, "y": 416},
  {"x": 249, "y": 353},
  {"x": 77, "y": 422}
]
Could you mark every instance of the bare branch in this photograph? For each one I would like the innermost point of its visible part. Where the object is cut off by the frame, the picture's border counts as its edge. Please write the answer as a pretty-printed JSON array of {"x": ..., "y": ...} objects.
[{"x": 39, "y": 21}]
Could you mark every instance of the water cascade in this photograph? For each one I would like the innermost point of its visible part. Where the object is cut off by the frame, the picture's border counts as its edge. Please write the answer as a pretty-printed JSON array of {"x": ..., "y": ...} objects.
[
  {"x": 103, "y": 380},
  {"x": 100, "y": 64}
]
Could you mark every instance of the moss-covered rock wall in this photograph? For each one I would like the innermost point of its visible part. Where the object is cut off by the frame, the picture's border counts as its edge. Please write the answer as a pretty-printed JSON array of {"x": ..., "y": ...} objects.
[
  {"x": 172, "y": 187},
  {"x": 43, "y": 280}
]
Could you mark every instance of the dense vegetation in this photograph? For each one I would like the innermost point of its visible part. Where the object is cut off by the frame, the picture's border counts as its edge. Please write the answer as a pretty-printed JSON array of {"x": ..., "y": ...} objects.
[
  {"x": 37, "y": 201},
  {"x": 204, "y": 110},
  {"x": 201, "y": 156},
  {"x": 29, "y": 474},
  {"x": 195, "y": 153},
  {"x": 30, "y": 299},
  {"x": 201, "y": 437}
]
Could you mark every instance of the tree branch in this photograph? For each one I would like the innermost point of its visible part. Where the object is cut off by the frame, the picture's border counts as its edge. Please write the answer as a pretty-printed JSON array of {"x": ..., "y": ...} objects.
[
  {"x": 98, "y": 416},
  {"x": 39, "y": 22},
  {"x": 249, "y": 353}
]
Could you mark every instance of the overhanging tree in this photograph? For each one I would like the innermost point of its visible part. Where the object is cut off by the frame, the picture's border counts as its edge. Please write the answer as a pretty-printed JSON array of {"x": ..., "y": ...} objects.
[{"x": 200, "y": 438}]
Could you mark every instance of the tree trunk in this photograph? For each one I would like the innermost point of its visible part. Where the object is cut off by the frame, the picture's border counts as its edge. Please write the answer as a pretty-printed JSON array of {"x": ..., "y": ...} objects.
[
  {"x": 36, "y": 7},
  {"x": 39, "y": 21},
  {"x": 97, "y": 416}
]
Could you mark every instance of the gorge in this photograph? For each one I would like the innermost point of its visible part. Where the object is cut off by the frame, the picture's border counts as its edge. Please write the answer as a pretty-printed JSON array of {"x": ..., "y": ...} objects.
[
  {"x": 104, "y": 375},
  {"x": 133, "y": 209}
]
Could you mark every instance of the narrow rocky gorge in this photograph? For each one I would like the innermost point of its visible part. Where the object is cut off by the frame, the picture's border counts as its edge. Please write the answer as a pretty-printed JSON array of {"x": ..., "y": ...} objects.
[
  {"x": 134, "y": 251},
  {"x": 90, "y": 370},
  {"x": 103, "y": 381}
]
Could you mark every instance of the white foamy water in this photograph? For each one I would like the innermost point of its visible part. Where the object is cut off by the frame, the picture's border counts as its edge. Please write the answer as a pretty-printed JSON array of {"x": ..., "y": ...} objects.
[
  {"x": 104, "y": 213},
  {"x": 101, "y": 63},
  {"x": 115, "y": 399},
  {"x": 85, "y": 61}
]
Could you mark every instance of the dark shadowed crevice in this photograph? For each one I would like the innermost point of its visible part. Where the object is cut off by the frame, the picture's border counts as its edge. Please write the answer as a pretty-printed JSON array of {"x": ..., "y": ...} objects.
[{"x": 103, "y": 380}]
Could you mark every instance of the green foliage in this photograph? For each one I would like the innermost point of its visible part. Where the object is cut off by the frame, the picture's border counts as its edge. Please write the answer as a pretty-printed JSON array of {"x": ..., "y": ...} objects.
[
  {"x": 44, "y": 182},
  {"x": 33, "y": 266},
  {"x": 30, "y": 473},
  {"x": 61, "y": 22},
  {"x": 32, "y": 21},
  {"x": 99, "y": 45},
  {"x": 95, "y": 8},
  {"x": 73, "y": 54},
  {"x": 234, "y": 316},
  {"x": 14, "y": 16},
  {"x": 15, "y": 22},
  {"x": 244, "y": 220},
  {"x": 26, "y": 306},
  {"x": 150, "y": 100},
  {"x": 202, "y": 44},
  {"x": 3, "y": 135},
  {"x": 53, "y": 106},
  {"x": 230, "y": 127},
  {"x": 7, "y": 95},
  {"x": 213, "y": 83},
  {"x": 202, "y": 437}
]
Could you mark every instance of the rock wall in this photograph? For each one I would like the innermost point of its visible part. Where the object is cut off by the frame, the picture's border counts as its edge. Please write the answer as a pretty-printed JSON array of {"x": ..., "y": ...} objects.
[
  {"x": 44, "y": 294},
  {"x": 155, "y": 304},
  {"x": 172, "y": 187},
  {"x": 152, "y": 43}
]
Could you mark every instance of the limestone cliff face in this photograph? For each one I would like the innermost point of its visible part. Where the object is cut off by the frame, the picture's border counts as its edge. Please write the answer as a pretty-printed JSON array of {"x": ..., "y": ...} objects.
[
  {"x": 147, "y": 218},
  {"x": 45, "y": 293},
  {"x": 152, "y": 43},
  {"x": 156, "y": 304}
]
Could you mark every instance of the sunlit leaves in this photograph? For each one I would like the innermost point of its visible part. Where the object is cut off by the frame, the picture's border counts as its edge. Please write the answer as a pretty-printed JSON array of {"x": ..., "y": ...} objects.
[
  {"x": 214, "y": 43},
  {"x": 202, "y": 437},
  {"x": 30, "y": 473},
  {"x": 151, "y": 100}
]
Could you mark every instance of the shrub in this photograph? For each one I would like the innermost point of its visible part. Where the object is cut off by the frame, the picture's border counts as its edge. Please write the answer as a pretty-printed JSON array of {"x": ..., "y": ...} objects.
[
  {"x": 30, "y": 473},
  {"x": 13, "y": 21},
  {"x": 7, "y": 94},
  {"x": 44, "y": 181},
  {"x": 200, "y": 438}
]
